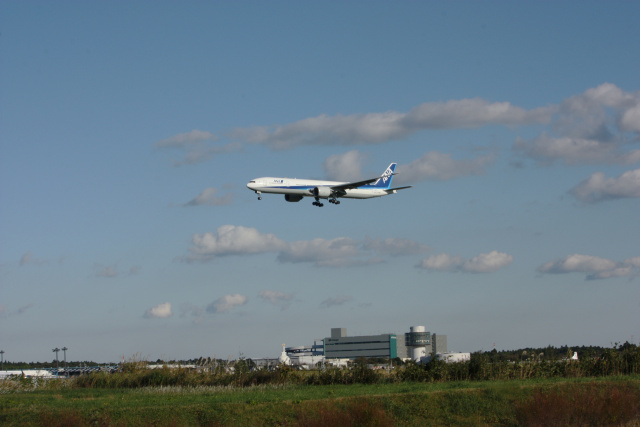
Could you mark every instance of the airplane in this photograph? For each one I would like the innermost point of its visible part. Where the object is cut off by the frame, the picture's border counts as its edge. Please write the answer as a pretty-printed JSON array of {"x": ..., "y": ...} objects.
[{"x": 295, "y": 189}]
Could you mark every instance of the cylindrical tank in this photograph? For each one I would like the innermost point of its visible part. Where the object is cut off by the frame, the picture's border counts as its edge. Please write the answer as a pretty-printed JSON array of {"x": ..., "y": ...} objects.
[{"x": 418, "y": 340}]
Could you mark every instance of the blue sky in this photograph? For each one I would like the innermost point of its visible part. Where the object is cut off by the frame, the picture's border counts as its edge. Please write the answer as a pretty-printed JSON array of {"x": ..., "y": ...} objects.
[{"x": 129, "y": 131}]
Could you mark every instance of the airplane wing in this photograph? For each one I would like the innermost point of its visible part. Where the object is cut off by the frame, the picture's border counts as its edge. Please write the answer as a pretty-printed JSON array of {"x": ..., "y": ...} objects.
[
  {"x": 352, "y": 185},
  {"x": 395, "y": 190}
]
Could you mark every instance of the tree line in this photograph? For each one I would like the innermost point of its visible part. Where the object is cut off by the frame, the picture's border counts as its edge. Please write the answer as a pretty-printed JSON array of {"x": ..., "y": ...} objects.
[
  {"x": 548, "y": 362},
  {"x": 483, "y": 366}
]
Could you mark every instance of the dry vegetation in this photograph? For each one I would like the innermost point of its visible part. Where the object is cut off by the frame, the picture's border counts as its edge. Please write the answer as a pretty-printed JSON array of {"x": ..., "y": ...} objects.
[{"x": 598, "y": 391}]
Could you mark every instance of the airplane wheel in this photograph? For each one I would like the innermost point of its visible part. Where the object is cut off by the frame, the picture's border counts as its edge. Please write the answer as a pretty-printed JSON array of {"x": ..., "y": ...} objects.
[{"x": 259, "y": 198}]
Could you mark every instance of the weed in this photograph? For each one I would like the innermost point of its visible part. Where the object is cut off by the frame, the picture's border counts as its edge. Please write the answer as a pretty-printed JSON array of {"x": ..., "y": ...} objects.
[
  {"x": 590, "y": 405},
  {"x": 359, "y": 412}
]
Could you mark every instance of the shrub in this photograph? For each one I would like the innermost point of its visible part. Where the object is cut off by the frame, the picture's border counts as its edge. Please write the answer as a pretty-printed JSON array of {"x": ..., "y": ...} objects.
[{"x": 594, "y": 405}]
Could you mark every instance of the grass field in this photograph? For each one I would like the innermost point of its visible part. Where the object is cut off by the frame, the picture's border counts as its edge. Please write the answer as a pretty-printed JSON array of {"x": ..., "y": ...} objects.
[{"x": 592, "y": 401}]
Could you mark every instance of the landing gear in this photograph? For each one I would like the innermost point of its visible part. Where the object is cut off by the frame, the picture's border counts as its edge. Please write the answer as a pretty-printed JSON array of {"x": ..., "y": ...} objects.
[
  {"x": 319, "y": 204},
  {"x": 259, "y": 195}
]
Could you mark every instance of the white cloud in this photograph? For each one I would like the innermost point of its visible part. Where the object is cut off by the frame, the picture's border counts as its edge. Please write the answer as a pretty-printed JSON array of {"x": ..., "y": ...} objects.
[
  {"x": 394, "y": 246},
  {"x": 194, "y": 146},
  {"x": 338, "y": 252},
  {"x": 572, "y": 150},
  {"x": 634, "y": 262},
  {"x": 279, "y": 299},
  {"x": 184, "y": 140},
  {"x": 345, "y": 167},
  {"x": 320, "y": 251},
  {"x": 160, "y": 311},
  {"x": 433, "y": 165},
  {"x": 210, "y": 197},
  {"x": 375, "y": 128},
  {"x": 108, "y": 271},
  {"x": 630, "y": 120},
  {"x": 589, "y": 128},
  {"x": 188, "y": 309},
  {"x": 472, "y": 113},
  {"x": 111, "y": 271},
  {"x": 227, "y": 303},
  {"x": 586, "y": 116},
  {"x": 487, "y": 263},
  {"x": 232, "y": 240},
  {"x": 593, "y": 99},
  {"x": 203, "y": 153},
  {"x": 595, "y": 267},
  {"x": 441, "y": 166},
  {"x": 441, "y": 262},
  {"x": 482, "y": 263},
  {"x": 598, "y": 188},
  {"x": 333, "y": 301},
  {"x": 328, "y": 130},
  {"x": 623, "y": 271},
  {"x": 577, "y": 263}
]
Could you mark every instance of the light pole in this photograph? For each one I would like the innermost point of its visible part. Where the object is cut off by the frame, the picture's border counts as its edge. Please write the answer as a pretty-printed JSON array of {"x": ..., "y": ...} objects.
[
  {"x": 56, "y": 350},
  {"x": 2, "y": 356},
  {"x": 66, "y": 372}
]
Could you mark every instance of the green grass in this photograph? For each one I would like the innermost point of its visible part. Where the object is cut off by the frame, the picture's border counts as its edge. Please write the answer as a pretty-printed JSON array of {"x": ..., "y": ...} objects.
[{"x": 608, "y": 401}]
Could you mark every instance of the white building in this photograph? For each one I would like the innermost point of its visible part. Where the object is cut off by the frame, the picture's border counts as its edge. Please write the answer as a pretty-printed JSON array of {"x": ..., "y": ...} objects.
[{"x": 448, "y": 357}]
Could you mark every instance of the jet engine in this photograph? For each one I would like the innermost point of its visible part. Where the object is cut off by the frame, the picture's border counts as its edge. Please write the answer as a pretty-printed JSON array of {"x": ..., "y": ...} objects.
[
  {"x": 293, "y": 197},
  {"x": 323, "y": 192}
]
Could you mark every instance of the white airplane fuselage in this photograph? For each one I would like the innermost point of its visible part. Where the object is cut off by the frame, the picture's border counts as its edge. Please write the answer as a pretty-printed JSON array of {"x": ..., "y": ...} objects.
[
  {"x": 295, "y": 189},
  {"x": 304, "y": 187}
]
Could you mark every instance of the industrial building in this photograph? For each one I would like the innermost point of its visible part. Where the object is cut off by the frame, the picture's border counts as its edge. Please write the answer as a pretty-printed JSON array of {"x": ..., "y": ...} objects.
[
  {"x": 339, "y": 348},
  {"x": 412, "y": 345},
  {"x": 306, "y": 355}
]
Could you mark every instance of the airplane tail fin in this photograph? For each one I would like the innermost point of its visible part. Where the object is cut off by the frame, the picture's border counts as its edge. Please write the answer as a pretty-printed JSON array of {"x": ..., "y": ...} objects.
[{"x": 385, "y": 179}]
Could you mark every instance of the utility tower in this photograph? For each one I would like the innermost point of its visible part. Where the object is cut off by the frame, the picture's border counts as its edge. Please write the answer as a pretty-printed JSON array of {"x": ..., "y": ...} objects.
[
  {"x": 66, "y": 372},
  {"x": 56, "y": 350}
]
